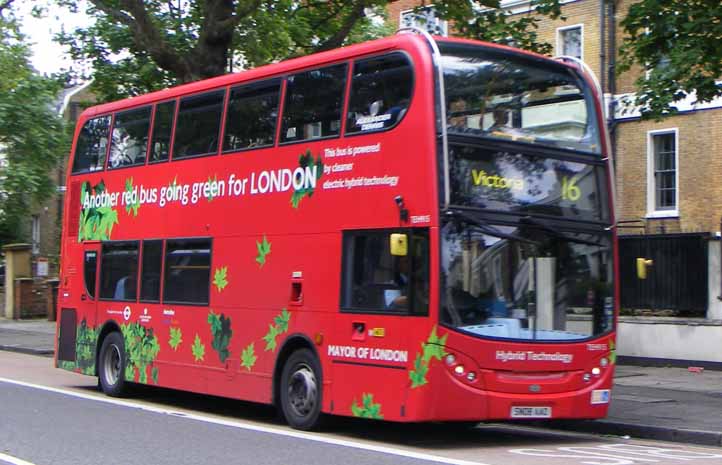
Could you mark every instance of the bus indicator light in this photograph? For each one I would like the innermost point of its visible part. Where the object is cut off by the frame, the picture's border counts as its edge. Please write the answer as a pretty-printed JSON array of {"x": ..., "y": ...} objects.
[{"x": 318, "y": 339}]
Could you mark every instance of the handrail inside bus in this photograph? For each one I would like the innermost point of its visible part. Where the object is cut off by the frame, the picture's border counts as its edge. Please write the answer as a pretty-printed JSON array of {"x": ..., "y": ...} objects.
[
  {"x": 436, "y": 56},
  {"x": 607, "y": 141}
]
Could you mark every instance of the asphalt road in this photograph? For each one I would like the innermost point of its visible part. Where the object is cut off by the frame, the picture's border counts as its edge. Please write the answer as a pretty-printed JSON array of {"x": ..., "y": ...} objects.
[{"x": 49, "y": 416}]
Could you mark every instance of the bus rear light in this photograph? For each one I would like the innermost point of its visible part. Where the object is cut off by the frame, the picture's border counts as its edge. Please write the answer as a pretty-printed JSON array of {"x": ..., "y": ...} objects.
[
  {"x": 450, "y": 359},
  {"x": 604, "y": 362},
  {"x": 459, "y": 370},
  {"x": 471, "y": 376},
  {"x": 596, "y": 371},
  {"x": 587, "y": 377}
]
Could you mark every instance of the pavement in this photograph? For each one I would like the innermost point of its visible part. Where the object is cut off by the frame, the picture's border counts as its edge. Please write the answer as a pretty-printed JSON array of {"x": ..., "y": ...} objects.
[{"x": 665, "y": 403}]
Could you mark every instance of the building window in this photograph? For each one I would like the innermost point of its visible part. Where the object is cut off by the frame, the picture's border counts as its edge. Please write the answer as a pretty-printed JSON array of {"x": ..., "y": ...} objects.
[
  {"x": 570, "y": 40},
  {"x": 662, "y": 161},
  {"x": 36, "y": 234},
  {"x": 424, "y": 18}
]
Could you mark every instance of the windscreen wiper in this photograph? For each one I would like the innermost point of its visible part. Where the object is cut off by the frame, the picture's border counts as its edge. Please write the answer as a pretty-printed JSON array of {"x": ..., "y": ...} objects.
[
  {"x": 487, "y": 228},
  {"x": 541, "y": 224}
]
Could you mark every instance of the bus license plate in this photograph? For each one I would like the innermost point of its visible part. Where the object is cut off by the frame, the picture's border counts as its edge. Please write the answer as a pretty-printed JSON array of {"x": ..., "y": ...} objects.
[{"x": 531, "y": 412}]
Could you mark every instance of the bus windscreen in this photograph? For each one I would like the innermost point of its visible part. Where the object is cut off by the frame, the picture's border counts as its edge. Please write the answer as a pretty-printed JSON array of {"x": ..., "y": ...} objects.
[
  {"x": 511, "y": 97},
  {"x": 526, "y": 281}
]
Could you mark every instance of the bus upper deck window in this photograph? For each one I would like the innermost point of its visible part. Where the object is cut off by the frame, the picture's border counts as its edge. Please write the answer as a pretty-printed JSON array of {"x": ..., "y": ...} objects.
[
  {"x": 129, "y": 141},
  {"x": 313, "y": 104},
  {"x": 198, "y": 126},
  {"x": 252, "y": 115},
  {"x": 381, "y": 90},
  {"x": 162, "y": 128},
  {"x": 91, "y": 145}
]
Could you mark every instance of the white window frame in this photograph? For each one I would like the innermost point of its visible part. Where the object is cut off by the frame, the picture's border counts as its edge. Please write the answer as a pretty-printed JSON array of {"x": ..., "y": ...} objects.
[
  {"x": 443, "y": 24},
  {"x": 652, "y": 212},
  {"x": 560, "y": 44}
]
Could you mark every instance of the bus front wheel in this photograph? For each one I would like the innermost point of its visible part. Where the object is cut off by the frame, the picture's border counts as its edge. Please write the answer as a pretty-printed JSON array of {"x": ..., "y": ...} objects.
[
  {"x": 111, "y": 365},
  {"x": 300, "y": 390}
]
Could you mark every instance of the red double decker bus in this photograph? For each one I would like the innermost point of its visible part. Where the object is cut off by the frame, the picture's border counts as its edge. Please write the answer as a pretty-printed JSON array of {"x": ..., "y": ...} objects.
[{"x": 409, "y": 229}]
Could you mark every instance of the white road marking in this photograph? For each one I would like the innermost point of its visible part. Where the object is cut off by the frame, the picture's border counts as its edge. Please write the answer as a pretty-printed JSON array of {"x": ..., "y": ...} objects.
[
  {"x": 618, "y": 454},
  {"x": 245, "y": 426},
  {"x": 13, "y": 460}
]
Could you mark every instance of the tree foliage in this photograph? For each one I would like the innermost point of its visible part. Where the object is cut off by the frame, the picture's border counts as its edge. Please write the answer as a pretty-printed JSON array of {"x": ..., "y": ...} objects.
[
  {"x": 680, "y": 43},
  {"x": 32, "y": 136},
  {"x": 485, "y": 20},
  {"x": 136, "y": 47}
]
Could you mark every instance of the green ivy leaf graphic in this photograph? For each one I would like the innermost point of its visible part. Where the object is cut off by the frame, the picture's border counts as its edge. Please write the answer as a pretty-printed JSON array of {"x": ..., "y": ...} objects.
[
  {"x": 129, "y": 373},
  {"x": 220, "y": 278},
  {"x": 612, "y": 352},
  {"x": 141, "y": 349},
  {"x": 175, "y": 338},
  {"x": 211, "y": 182},
  {"x": 198, "y": 349},
  {"x": 154, "y": 375},
  {"x": 95, "y": 223},
  {"x": 296, "y": 198},
  {"x": 131, "y": 206},
  {"x": 305, "y": 160},
  {"x": 270, "y": 338},
  {"x": 248, "y": 357},
  {"x": 433, "y": 348},
  {"x": 215, "y": 321},
  {"x": 418, "y": 374},
  {"x": 368, "y": 409},
  {"x": 264, "y": 248},
  {"x": 221, "y": 331},
  {"x": 282, "y": 321}
]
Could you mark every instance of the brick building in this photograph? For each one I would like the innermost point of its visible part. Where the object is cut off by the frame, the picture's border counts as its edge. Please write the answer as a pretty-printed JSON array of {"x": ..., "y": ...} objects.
[
  {"x": 669, "y": 198},
  {"x": 45, "y": 220}
]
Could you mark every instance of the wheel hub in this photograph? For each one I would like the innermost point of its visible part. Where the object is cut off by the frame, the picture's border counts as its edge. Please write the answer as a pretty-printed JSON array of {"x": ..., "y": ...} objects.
[
  {"x": 302, "y": 391},
  {"x": 112, "y": 364}
]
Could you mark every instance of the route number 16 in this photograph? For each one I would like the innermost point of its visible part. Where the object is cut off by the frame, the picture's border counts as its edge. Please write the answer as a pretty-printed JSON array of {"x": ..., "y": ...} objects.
[{"x": 570, "y": 190}]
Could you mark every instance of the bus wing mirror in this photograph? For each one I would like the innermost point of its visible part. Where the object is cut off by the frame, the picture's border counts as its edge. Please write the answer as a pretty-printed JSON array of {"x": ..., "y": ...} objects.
[
  {"x": 399, "y": 245},
  {"x": 642, "y": 264}
]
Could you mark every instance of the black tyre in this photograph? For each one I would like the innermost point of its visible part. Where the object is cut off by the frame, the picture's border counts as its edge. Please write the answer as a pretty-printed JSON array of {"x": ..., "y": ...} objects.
[
  {"x": 300, "y": 390},
  {"x": 111, "y": 366}
]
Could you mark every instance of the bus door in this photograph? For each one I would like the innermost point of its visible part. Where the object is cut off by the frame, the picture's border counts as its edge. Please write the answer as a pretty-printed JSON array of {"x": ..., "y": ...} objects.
[
  {"x": 384, "y": 285},
  {"x": 89, "y": 289}
]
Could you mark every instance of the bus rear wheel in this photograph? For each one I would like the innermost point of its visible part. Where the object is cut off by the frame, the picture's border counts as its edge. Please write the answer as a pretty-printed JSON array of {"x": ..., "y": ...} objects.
[
  {"x": 111, "y": 366},
  {"x": 300, "y": 390}
]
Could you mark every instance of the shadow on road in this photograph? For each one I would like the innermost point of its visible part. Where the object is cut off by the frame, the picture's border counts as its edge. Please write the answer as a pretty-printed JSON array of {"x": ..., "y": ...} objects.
[{"x": 438, "y": 436}]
